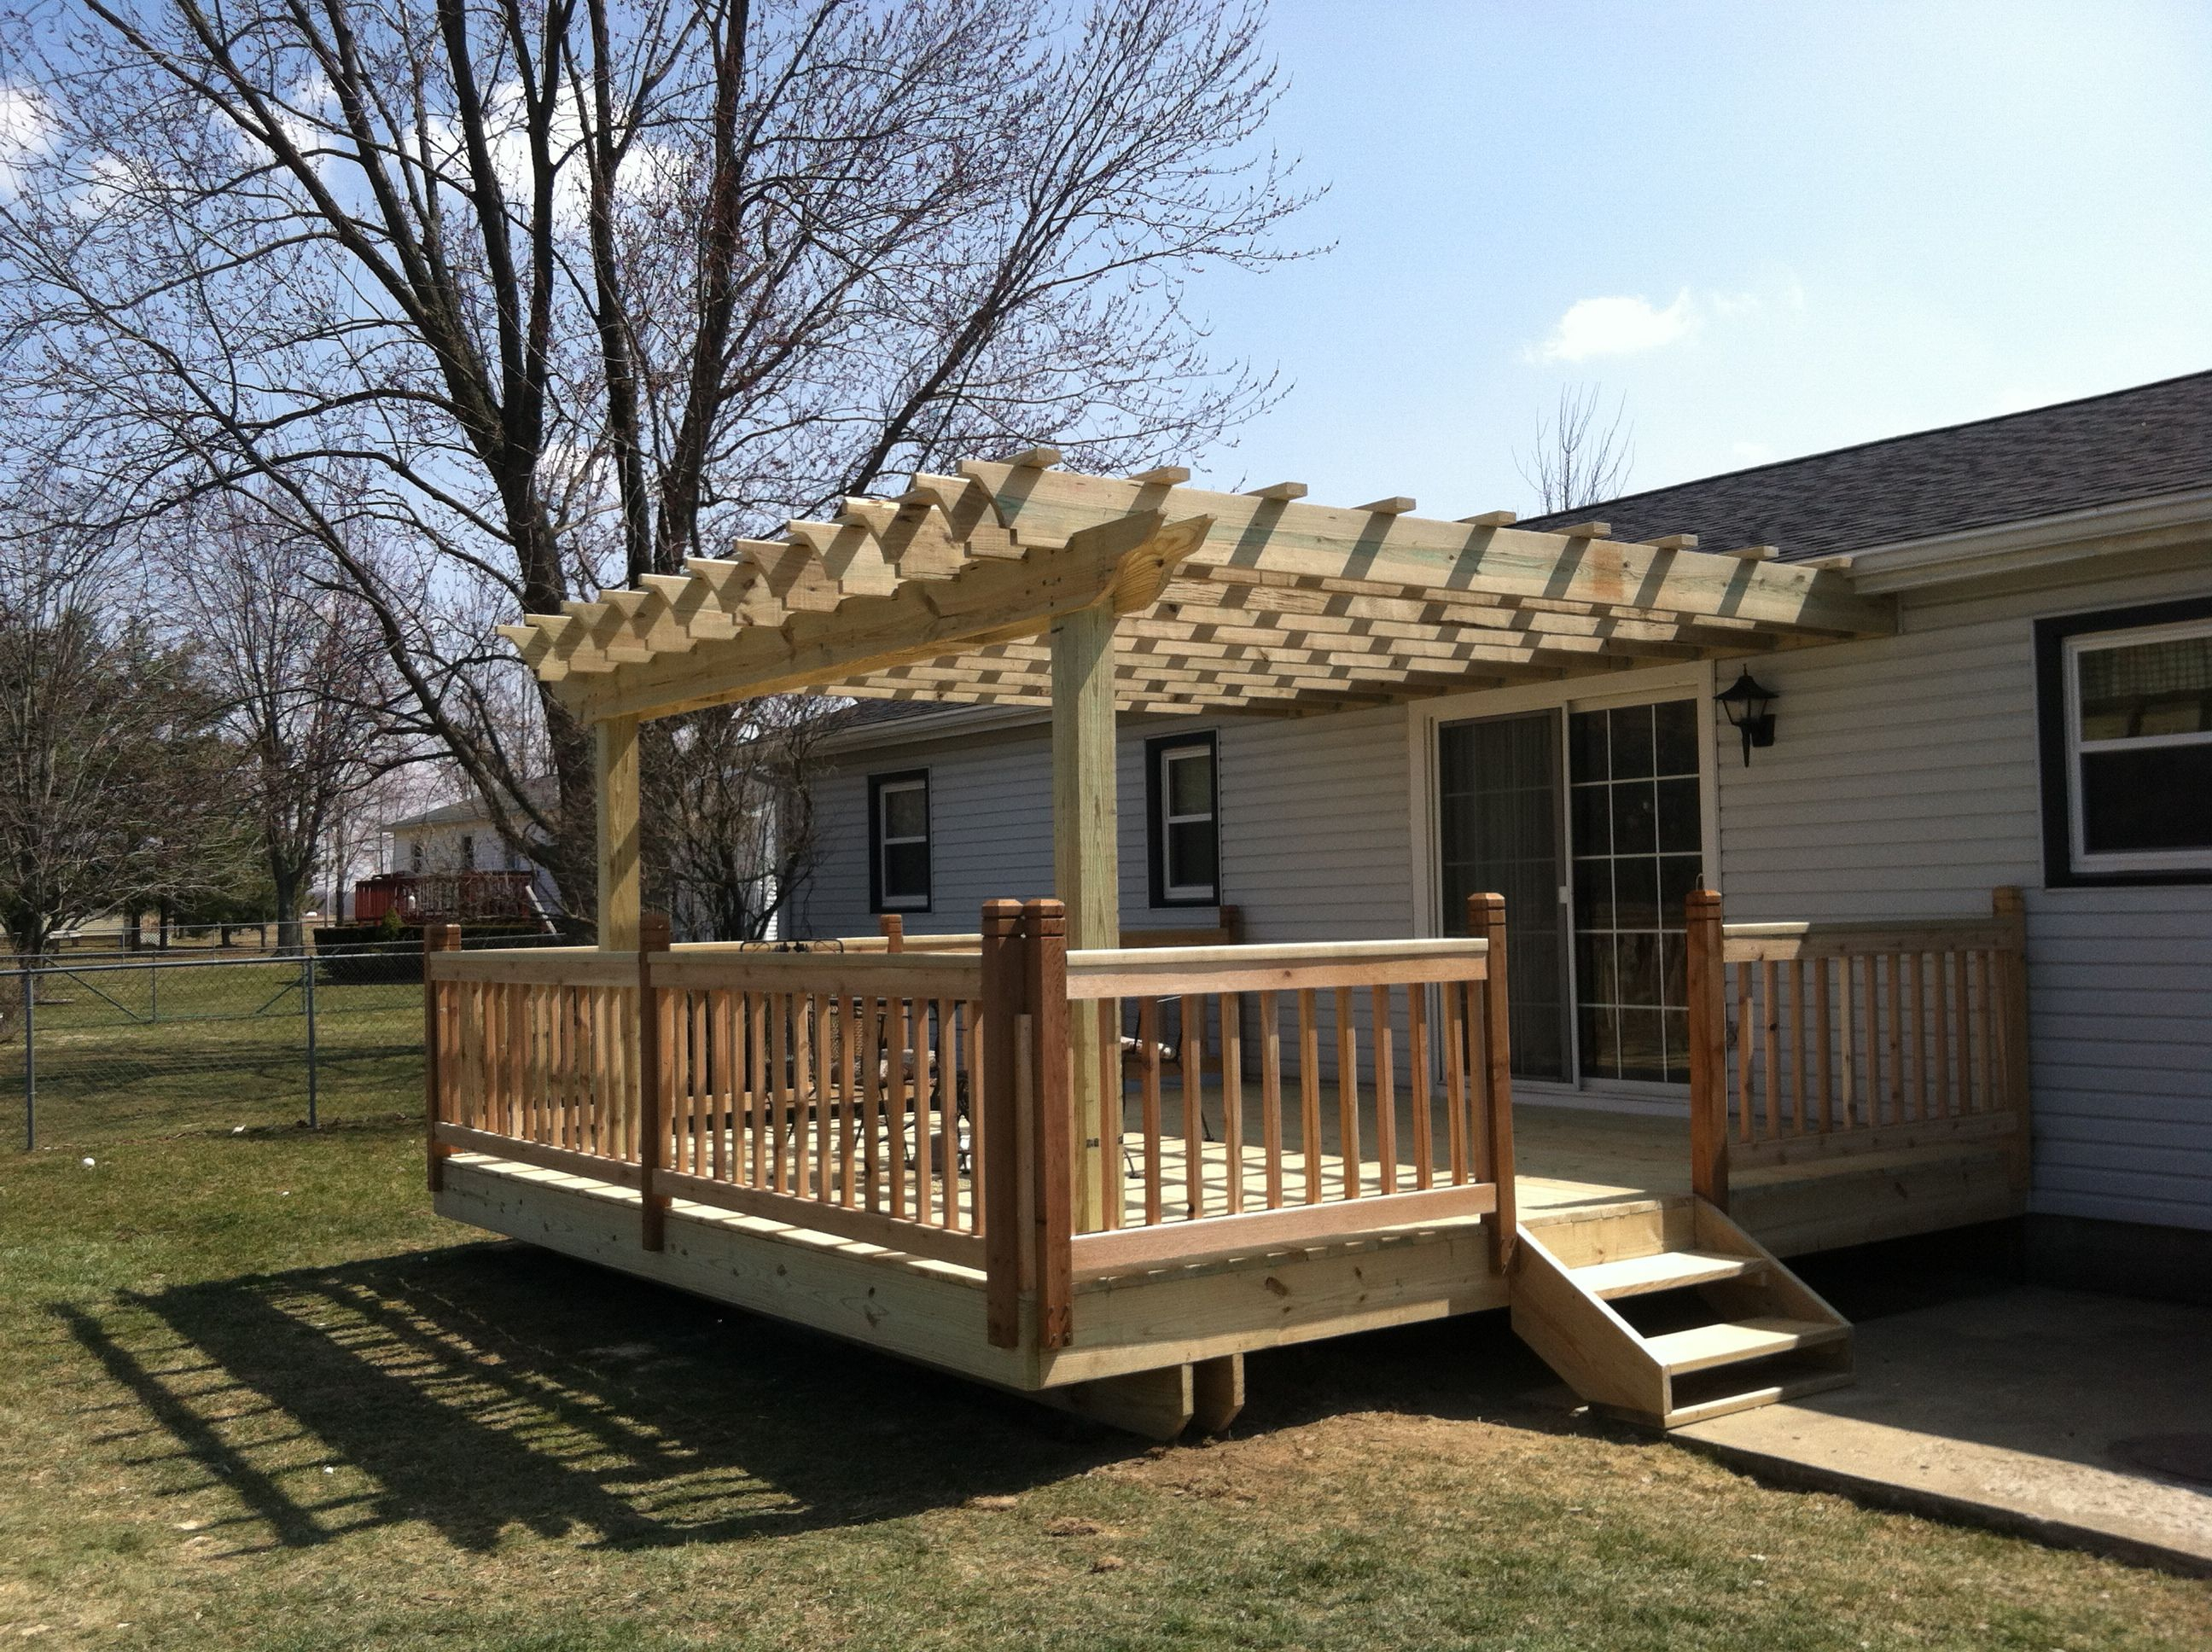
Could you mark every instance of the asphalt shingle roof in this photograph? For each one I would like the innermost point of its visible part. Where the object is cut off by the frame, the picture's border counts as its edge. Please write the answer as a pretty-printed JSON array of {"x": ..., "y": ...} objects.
[{"x": 2102, "y": 450}]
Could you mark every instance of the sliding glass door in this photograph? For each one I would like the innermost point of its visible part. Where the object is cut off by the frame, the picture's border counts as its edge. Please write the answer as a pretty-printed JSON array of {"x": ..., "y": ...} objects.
[
  {"x": 1498, "y": 789},
  {"x": 1590, "y": 823}
]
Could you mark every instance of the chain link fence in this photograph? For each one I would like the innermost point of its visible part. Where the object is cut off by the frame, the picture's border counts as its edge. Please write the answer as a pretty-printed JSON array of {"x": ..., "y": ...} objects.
[{"x": 113, "y": 1047}]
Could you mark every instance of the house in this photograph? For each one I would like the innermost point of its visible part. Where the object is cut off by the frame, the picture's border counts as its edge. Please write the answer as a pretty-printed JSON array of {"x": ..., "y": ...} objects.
[
  {"x": 1580, "y": 917},
  {"x": 2052, "y": 559},
  {"x": 450, "y": 862}
]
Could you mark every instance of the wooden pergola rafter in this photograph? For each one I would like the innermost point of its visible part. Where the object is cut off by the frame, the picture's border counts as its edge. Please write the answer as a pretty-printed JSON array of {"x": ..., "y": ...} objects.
[{"x": 1254, "y": 601}]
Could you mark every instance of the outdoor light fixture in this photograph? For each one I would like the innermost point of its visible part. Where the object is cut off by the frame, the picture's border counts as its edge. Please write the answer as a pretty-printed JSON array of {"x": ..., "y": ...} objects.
[{"x": 1750, "y": 704}]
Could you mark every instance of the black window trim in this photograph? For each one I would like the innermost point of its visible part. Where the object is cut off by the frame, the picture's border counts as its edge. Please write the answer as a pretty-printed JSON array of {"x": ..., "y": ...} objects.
[
  {"x": 876, "y": 785},
  {"x": 2053, "y": 762},
  {"x": 1156, "y": 847}
]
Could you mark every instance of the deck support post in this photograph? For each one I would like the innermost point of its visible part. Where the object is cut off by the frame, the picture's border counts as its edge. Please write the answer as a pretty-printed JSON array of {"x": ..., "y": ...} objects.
[
  {"x": 1086, "y": 862},
  {"x": 436, "y": 938},
  {"x": 2010, "y": 907},
  {"x": 1708, "y": 992},
  {"x": 1486, "y": 917},
  {"x": 1006, "y": 979},
  {"x": 653, "y": 1074},
  {"x": 615, "y": 782},
  {"x": 1045, "y": 950}
]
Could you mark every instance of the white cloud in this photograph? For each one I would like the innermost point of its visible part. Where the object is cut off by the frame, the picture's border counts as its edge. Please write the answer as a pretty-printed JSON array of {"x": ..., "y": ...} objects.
[
  {"x": 1615, "y": 326},
  {"x": 25, "y": 132}
]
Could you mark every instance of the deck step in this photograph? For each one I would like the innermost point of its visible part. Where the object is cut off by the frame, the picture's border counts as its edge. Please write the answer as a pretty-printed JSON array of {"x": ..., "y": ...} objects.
[
  {"x": 1734, "y": 1340},
  {"x": 1668, "y": 1270},
  {"x": 1762, "y": 1394}
]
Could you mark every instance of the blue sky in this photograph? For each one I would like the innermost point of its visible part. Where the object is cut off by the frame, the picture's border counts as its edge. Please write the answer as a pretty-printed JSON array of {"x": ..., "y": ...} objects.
[{"x": 1830, "y": 222}]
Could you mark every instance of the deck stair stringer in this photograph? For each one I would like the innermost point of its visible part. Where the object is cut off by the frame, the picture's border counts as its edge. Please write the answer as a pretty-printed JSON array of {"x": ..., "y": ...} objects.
[{"x": 1666, "y": 1313}]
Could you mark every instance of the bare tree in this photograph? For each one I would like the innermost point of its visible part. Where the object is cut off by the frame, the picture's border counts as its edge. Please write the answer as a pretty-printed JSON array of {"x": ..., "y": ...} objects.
[
  {"x": 301, "y": 673},
  {"x": 115, "y": 785},
  {"x": 734, "y": 838},
  {"x": 536, "y": 296},
  {"x": 1577, "y": 460}
]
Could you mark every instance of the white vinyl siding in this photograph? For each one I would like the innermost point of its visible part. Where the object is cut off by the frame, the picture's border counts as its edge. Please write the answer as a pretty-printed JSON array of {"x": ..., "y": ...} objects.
[{"x": 1902, "y": 779}]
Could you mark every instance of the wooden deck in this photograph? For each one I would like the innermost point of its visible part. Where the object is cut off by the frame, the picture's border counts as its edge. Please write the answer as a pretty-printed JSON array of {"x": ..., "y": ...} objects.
[
  {"x": 915, "y": 1151},
  {"x": 1587, "y": 1177}
]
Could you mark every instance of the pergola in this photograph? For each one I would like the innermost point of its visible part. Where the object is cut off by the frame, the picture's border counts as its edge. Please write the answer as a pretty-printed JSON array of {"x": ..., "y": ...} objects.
[{"x": 1017, "y": 582}]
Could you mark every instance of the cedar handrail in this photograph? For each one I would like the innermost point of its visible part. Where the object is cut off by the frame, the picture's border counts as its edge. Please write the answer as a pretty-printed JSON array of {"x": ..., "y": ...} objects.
[
  {"x": 922, "y": 1100},
  {"x": 1853, "y": 1037}
]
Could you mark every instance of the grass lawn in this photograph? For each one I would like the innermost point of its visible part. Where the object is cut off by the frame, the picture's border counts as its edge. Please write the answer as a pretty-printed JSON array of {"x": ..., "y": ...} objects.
[{"x": 253, "y": 1395}]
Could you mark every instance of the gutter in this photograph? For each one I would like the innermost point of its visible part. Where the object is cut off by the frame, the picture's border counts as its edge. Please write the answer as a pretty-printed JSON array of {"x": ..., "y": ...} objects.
[{"x": 2037, "y": 542}]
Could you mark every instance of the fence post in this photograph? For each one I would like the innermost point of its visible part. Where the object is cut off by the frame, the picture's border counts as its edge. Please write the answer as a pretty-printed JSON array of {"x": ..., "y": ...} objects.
[
  {"x": 30, "y": 1057},
  {"x": 1708, "y": 990},
  {"x": 2010, "y": 907},
  {"x": 1004, "y": 977},
  {"x": 1486, "y": 917},
  {"x": 436, "y": 938},
  {"x": 1046, "y": 947},
  {"x": 654, "y": 1083},
  {"x": 892, "y": 927},
  {"x": 307, "y": 993}
]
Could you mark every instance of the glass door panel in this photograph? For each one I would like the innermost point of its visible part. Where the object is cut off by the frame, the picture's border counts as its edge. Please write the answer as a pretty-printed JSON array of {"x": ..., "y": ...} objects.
[
  {"x": 1638, "y": 839},
  {"x": 1499, "y": 785}
]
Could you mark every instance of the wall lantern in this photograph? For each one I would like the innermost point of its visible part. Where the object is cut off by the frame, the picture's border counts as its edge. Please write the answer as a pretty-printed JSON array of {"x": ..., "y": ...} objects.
[{"x": 1750, "y": 704}]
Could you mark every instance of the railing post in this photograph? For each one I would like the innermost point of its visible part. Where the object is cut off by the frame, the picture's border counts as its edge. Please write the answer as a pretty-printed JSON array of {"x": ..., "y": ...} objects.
[
  {"x": 892, "y": 927},
  {"x": 1486, "y": 917},
  {"x": 1708, "y": 989},
  {"x": 652, "y": 1083},
  {"x": 2010, "y": 909},
  {"x": 436, "y": 938},
  {"x": 1005, "y": 983},
  {"x": 307, "y": 1006},
  {"x": 1046, "y": 950}
]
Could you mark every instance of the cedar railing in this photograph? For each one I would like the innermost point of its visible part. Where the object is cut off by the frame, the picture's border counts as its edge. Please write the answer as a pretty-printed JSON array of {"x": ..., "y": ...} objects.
[
  {"x": 1815, "y": 1038},
  {"x": 830, "y": 1091},
  {"x": 922, "y": 1100}
]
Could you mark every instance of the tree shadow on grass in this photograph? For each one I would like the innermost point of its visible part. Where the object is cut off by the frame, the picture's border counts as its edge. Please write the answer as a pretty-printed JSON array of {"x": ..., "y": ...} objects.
[{"x": 487, "y": 1387}]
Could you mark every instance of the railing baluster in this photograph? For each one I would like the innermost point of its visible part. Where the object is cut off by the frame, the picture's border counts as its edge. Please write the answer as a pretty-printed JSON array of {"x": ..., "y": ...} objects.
[
  {"x": 1746, "y": 1029},
  {"x": 1309, "y": 1094},
  {"x": 1347, "y": 1095},
  {"x": 1232, "y": 1096},
  {"x": 1271, "y": 1095},
  {"x": 1148, "y": 1053},
  {"x": 1416, "y": 1074},
  {"x": 1385, "y": 1093},
  {"x": 925, "y": 1101},
  {"x": 1190, "y": 1061},
  {"x": 1455, "y": 1076},
  {"x": 1114, "y": 1124},
  {"x": 1769, "y": 1017}
]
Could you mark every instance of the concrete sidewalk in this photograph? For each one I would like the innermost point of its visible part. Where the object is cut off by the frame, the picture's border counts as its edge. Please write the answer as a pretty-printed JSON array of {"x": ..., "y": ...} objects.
[{"x": 2084, "y": 1420}]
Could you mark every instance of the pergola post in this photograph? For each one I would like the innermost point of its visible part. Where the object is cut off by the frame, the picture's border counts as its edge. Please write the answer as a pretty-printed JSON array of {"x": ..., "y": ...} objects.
[
  {"x": 1086, "y": 869},
  {"x": 614, "y": 771}
]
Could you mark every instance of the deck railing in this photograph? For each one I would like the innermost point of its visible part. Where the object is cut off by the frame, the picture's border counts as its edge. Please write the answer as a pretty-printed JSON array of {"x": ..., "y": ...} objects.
[
  {"x": 925, "y": 1101},
  {"x": 1815, "y": 1039}
]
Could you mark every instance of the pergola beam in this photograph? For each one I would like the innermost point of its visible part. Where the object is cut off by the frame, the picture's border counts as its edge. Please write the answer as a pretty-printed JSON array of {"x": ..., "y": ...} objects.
[
  {"x": 1283, "y": 535},
  {"x": 1122, "y": 564}
]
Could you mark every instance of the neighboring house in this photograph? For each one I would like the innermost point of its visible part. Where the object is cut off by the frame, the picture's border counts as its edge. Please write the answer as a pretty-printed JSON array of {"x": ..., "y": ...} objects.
[
  {"x": 450, "y": 861},
  {"x": 2043, "y": 718}
]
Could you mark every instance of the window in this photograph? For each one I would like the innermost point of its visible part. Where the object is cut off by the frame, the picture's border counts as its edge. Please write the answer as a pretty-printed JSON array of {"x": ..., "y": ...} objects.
[
  {"x": 1634, "y": 822},
  {"x": 898, "y": 841},
  {"x": 1184, "y": 835},
  {"x": 415, "y": 855},
  {"x": 468, "y": 853},
  {"x": 2125, "y": 700}
]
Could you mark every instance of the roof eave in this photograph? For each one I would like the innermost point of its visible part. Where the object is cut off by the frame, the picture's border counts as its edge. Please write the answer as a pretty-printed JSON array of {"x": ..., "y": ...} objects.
[{"x": 2034, "y": 542}]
